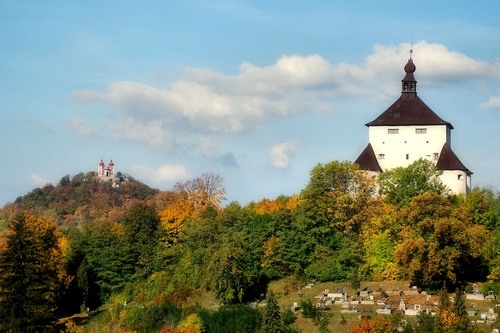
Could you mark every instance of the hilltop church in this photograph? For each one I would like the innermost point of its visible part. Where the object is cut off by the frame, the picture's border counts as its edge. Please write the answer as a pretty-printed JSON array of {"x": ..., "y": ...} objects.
[
  {"x": 106, "y": 172},
  {"x": 409, "y": 130}
]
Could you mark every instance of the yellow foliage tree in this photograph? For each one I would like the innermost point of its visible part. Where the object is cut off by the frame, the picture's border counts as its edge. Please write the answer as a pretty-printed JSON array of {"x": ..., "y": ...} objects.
[
  {"x": 192, "y": 198},
  {"x": 267, "y": 206}
]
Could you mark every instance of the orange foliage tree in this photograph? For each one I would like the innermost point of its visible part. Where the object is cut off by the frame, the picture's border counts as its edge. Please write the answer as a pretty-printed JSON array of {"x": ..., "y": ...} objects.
[
  {"x": 439, "y": 244},
  {"x": 192, "y": 198}
]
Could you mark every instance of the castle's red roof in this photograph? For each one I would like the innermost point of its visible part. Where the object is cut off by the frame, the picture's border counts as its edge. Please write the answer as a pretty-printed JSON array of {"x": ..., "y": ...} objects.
[
  {"x": 367, "y": 160},
  {"x": 406, "y": 112},
  {"x": 449, "y": 161}
]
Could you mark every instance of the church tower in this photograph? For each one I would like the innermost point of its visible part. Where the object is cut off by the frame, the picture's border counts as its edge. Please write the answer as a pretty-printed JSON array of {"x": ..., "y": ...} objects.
[{"x": 409, "y": 130}]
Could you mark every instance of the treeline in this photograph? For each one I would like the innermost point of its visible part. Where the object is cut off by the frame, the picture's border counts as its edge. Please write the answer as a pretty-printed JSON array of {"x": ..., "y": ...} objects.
[{"x": 162, "y": 251}]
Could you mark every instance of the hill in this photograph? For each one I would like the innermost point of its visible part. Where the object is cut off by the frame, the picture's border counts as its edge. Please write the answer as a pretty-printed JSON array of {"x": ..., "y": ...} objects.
[{"x": 81, "y": 198}]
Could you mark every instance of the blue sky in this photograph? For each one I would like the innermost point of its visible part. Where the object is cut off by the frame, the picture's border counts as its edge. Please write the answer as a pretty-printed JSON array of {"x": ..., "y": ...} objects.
[{"x": 257, "y": 91}]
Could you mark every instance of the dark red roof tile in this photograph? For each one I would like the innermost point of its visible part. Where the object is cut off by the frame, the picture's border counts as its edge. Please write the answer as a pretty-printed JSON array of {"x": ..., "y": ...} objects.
[
  {"x": 367, "y": 160},
  {"x": 449, "y": 161},
  {"x": 406, "y": 112}
]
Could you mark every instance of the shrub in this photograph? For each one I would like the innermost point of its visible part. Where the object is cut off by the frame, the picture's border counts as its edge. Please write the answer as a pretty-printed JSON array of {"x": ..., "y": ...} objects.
[
  {"x": 288, "y": 317},
  {"x": 151, "y": 318},
  {"x": 235, "y": 318},
  {"x": 308, "y": 308}
]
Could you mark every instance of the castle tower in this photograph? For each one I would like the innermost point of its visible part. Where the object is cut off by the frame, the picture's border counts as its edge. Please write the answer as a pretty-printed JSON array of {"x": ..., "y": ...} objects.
[{"x": 409, "y": 130}]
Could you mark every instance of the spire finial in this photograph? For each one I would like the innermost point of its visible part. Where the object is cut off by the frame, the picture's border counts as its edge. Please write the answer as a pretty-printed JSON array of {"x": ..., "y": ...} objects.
[{"x": 411, "y": 51}]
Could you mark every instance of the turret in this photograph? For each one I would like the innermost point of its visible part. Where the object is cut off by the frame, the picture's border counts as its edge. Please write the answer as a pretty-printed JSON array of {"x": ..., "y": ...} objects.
[{"x": 408, "y": 83}]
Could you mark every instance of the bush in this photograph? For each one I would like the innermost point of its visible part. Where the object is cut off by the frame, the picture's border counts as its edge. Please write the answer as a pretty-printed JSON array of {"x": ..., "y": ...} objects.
[
  {"x": 288, "y": 317},
  {"x": 151, "y": 318},
  {"x": 237, "y": 318},
  {"x": 308, "y": 309}
]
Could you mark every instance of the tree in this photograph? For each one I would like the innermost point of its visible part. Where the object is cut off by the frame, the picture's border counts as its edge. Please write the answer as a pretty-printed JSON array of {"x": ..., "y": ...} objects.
[
  {"x": 365, "y": 326},
  {"x": 142, "y": 231},
  {"x": 101, "y": 261},
  {"x": 401, "y": 184},
  {"x": 31, "y": 274},
  {"x": 229, "y": 274},
  {"x": 192, "y": 198},
  {"x": 427, "y": 323},
  {"x": 336, "y": 193},
  {"x": 484, "y": 207},
  {"x": 439, "y": 246},
  {"x": 204, "y": 191},
  {"x": 271, "y": 321}
]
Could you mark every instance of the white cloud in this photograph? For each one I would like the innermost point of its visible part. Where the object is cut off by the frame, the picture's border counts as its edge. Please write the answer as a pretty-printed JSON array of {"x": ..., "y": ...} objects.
[
  {"x": 205, "y": 102},
  {"x": 493, "y": 102},
  {"x": 149, "y": 132},
  {"x": 282, "y": 154},
  {"x": 38, "y": 180},
  {"x": 164, "y": 176},
  {"x": 81, "y": 127}
]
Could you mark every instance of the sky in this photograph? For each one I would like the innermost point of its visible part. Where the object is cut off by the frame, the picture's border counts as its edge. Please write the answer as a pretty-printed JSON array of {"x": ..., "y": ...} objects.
[{"x": 258, "y": 92}]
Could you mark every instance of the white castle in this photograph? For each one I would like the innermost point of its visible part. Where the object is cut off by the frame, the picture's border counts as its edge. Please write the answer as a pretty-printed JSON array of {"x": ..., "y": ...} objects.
[{"x": 409, "y": 130}]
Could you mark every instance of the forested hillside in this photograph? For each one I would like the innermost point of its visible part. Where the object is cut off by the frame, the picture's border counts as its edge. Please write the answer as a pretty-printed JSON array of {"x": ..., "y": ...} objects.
[
  {"x": 81, "y": 198},
  {"x": 143, "y": 260}
]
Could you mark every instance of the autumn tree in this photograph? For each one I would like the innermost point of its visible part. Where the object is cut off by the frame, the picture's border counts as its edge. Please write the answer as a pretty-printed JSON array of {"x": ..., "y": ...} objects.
[
  {"x": 401, "y": 184},
  {"x": 31, "y": 274},
  {"x": 192, "y": 198},
  {"x": 439, "y": 245},
  {"x": 452, "y": 316}
]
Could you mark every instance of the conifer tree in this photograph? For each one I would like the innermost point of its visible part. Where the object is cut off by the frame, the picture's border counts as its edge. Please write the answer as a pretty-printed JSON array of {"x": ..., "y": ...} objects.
[
  {"x": 31, "y": 274},
  {"x": 271, "y": 322}
]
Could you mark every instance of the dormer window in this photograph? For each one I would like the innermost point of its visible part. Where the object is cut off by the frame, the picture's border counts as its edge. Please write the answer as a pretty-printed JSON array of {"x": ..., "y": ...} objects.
[
  {"x": 393, "y": 131},
  {"x": 421, "y": 131}
]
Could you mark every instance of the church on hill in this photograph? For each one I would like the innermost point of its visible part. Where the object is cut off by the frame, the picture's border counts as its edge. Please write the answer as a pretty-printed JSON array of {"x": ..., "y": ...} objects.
[
  {"x": 409, "y": 130},
  {"x": 106, "y": 171}
]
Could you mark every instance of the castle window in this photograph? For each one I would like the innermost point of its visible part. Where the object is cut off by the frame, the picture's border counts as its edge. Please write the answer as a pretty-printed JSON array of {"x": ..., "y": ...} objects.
[
  {"x": 435, "y": 156},
  {"x": 460, "y": 177},
  {"x": 393, "y": 131},
  {"x": 381, "y": 156},
  {"x": 420, "y": 130},
  {"x": 407, "y": 156}
]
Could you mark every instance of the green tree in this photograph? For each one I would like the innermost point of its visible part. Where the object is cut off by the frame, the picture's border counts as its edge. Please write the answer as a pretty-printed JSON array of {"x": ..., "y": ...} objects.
[
  {"x": 101, "y": 261},
  {"x": 427, "y": 323},
  {"x": 271, "y": 321},
  {"x": 334, "y": 197},
  {"x": 31, "y": 274},
  {"x": 229, "y": 274},
  {"x": 484, "y": 206},
  {"x": 462, "y": 322},
  {"x": 401, "y": 184},
  {"x": 142, "y": 232}
]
